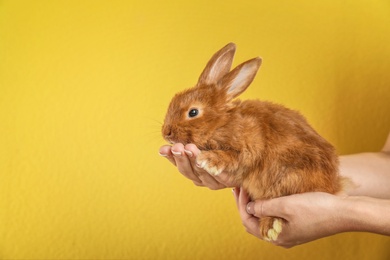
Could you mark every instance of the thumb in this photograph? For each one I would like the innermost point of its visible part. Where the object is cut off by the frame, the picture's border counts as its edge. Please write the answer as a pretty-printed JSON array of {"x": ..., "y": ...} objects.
[{"x": 264, "y": 208}]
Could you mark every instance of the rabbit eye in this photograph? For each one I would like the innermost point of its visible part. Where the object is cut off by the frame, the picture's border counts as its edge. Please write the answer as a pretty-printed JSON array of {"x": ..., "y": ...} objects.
[{"x": 193, "y": 112}]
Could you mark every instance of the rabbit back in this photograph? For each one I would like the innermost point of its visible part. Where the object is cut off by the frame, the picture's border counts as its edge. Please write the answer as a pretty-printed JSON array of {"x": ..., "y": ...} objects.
[{"x": 291, "y": 157}]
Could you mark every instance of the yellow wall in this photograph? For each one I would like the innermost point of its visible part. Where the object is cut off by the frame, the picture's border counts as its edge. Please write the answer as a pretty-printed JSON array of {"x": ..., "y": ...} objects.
[{"x": 84, "y": 86}]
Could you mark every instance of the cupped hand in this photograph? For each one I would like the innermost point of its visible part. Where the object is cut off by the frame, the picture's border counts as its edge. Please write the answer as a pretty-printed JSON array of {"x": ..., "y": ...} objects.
[
  {"x": 184, "y": 158},
  {"x": 308, "y": 216}
]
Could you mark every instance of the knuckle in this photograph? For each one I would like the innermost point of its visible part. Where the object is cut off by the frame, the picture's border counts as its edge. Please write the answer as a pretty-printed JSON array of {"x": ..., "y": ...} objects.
[
  {"x": 213, "y": 187},
  {"x": 282, "y": 243},
  {"x": 199, "y": 184}
]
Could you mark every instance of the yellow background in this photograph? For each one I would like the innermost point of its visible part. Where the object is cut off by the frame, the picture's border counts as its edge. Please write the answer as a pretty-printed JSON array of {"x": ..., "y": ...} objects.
[{"x": 84, "y": 86}]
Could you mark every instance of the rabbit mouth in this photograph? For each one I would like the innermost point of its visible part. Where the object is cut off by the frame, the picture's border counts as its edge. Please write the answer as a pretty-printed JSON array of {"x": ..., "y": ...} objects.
[{"x": 172, "y": 140}]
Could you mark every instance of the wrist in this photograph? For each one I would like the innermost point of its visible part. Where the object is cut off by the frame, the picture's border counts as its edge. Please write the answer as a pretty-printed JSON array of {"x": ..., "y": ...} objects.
[
  {"x": 350, "y": 213},
  {"x": 364, "y": 214}
]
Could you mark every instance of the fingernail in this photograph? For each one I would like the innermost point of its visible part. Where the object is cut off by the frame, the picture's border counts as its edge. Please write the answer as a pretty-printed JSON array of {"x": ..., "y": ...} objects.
[
  {"x": 189, "y": 153},
  {"x": 176, "y": 153},
  {"x": 250, "y": 208},
  {"x": 163, "y": 155}
]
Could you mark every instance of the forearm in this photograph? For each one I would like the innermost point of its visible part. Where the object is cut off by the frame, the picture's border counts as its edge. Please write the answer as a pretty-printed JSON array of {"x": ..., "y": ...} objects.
[
  {"x": 369, "y": 172},
  {"x": 365, "y": 214}
]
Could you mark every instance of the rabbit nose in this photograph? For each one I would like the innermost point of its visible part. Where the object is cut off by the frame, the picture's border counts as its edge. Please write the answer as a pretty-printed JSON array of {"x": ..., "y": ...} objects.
[{"x": 168, "y": 137}]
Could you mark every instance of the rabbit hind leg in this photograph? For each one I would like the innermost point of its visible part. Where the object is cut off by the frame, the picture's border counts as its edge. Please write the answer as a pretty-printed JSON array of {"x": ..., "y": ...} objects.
[{"x": 270, "y": 228}]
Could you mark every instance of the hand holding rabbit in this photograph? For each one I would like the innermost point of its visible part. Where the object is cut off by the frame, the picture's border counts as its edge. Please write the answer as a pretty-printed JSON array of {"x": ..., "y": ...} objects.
[{"x": 184, "y": 157}]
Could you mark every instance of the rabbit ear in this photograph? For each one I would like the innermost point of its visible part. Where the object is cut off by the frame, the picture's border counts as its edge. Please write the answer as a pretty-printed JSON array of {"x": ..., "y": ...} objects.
[
  {"x": 239, "y": 79},
  {"x": 218, "y": 66}
]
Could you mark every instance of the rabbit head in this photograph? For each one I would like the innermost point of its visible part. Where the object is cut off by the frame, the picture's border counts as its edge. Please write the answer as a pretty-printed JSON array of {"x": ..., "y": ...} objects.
[{"x": 196, "y": 113}]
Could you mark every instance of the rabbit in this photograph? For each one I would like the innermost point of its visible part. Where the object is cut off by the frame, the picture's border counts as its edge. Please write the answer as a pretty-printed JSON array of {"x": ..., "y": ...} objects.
[{"x": 270, "y": 150}]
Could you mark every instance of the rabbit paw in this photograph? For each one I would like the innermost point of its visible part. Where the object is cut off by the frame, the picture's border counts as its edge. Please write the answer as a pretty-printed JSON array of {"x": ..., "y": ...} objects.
[
  {"x": 210, "y": 162},
  {"x": 270, "y": 228}
]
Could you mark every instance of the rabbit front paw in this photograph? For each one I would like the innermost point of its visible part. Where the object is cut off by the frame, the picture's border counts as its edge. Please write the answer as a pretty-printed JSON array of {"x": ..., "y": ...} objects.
[
  {"x": 270, "y": 228},
  {"x": 210, "y": 162}
]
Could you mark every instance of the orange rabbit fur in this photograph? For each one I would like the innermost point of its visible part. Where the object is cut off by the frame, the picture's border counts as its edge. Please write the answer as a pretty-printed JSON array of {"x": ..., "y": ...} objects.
[{"x": 271, "y": 150}]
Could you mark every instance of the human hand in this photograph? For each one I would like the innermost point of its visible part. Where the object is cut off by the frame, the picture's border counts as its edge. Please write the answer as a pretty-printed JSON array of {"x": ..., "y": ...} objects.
[
  {"x": 308, "y": 216},
  {"x": 184, "y": 158}
]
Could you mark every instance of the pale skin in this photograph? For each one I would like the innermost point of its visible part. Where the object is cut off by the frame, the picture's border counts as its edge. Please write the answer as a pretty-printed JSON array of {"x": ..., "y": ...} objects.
[{"x": 365, "y": 206}]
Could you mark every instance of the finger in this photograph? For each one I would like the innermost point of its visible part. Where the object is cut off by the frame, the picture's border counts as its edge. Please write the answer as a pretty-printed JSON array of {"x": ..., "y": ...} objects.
[
  {"x": 236, "y": 193},
  {"x": 250, "y": 222},
  {"x": 165, "y": 151},
  {"x": 209, "y": 180},
  {"x": 266, "y": 208},
  {"x": 183, "y": 163},
  {"x": 192, "y": 151},
  {"x": 256, "y": 208},
  {"x": 197, "y": 183},
  {"x": 243, "y": 200}
]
